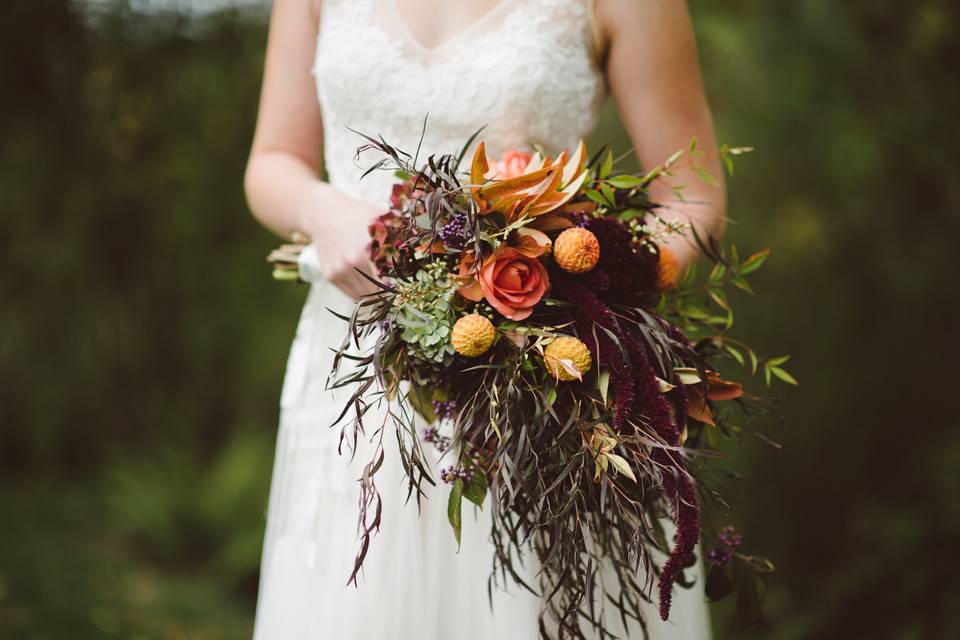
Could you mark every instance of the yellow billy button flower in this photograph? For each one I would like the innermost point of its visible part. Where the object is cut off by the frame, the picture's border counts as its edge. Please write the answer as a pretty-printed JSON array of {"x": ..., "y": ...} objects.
[
  {"x": 567, "y": 358},
  {"x": 576, "y": 250},
  {"x": 473, "y": 335},
  {"x": 668, "y": 270}
]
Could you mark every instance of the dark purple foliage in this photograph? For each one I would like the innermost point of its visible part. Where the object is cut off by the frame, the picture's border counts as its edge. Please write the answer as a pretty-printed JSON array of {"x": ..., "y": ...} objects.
[{"x": 632, "y": 270}]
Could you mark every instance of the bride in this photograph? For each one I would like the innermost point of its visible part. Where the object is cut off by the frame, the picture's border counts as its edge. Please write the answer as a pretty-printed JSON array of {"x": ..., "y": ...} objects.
[{"x": 533, "y": 72}]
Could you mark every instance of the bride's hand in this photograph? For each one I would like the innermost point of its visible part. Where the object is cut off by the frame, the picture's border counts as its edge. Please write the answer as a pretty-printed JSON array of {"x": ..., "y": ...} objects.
[{"x": 340, "y": 233}]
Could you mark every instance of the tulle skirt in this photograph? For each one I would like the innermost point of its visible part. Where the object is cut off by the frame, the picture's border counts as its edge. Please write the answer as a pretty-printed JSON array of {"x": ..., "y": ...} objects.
[{"x": 415, "y": 583}]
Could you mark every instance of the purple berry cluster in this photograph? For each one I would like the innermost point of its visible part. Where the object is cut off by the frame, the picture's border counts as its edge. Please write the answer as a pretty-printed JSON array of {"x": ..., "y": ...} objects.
[
  {"x": 721, "y": 555},
  {"x": 432, "y": 436},
  {"x": 452, "y": 474},
  {"x": 445, "y": 410},
  {"x": 454, "y": 232}
]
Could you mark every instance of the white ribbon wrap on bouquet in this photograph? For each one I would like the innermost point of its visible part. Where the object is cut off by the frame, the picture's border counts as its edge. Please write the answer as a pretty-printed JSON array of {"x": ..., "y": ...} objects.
[{"x": 309, "y": 265}]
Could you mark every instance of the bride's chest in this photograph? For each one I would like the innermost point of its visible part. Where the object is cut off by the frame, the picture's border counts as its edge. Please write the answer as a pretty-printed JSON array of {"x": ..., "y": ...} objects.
[{"x": 531, "y": 63}]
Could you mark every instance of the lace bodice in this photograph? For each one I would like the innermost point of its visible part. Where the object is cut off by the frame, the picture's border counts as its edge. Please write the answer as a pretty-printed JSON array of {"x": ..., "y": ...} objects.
[{"x": 525, "y": 71}]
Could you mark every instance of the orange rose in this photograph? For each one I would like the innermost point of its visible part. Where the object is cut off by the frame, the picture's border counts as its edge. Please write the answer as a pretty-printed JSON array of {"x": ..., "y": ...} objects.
[{"x": 512, "y": 282}]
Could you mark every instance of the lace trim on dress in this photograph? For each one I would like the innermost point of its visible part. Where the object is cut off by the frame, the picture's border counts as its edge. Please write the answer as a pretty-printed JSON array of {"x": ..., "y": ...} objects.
[{"x": 524, "y": 70}]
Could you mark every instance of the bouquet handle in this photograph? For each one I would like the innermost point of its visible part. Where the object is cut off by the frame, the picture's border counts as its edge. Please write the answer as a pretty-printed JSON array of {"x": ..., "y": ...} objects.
[{"x": 297, "y": 261}]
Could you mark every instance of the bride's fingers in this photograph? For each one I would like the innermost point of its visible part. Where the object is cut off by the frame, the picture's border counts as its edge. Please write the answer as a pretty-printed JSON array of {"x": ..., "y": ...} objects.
[{"x": 356, "y": 286}]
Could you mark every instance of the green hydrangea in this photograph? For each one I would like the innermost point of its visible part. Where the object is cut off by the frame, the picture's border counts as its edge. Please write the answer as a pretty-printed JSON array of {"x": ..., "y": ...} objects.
[{"x": 424, "y": 313}]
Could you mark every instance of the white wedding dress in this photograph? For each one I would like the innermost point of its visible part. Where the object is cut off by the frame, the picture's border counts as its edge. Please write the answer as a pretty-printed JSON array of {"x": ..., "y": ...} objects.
[{"x": 526, "y": 72}]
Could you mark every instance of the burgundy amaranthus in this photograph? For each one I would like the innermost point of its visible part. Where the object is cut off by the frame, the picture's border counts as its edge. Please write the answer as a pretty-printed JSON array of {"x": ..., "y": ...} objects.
[{"x": 632, "y": 379}]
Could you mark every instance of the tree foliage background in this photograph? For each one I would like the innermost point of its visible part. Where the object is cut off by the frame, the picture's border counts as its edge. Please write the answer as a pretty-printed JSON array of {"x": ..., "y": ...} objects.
[{"x": 142, "y": 342}]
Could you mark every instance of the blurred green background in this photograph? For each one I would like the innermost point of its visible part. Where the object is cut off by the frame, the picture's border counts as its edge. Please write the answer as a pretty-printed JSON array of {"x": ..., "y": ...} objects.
[{"x": 142, "y": 342}]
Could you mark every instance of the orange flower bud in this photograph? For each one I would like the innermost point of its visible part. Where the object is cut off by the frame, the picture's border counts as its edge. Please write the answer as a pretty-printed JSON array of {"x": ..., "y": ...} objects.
[
  {"x": 668, "y": 270},
  {"x": 576, "y": 250}
]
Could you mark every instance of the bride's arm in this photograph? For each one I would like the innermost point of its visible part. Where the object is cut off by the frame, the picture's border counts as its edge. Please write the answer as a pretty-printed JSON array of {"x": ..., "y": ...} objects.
[
  {"x": 282, "y": 182},
  {"x": 653, "y": 73}
]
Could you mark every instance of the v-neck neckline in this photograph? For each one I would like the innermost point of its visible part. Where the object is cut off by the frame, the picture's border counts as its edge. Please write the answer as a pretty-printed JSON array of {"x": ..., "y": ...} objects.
[{"x": 450, "y": 41}]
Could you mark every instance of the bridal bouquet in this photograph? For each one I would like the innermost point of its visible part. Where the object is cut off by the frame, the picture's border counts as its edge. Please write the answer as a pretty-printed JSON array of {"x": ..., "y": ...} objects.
[{"x": 530, "y": 322}]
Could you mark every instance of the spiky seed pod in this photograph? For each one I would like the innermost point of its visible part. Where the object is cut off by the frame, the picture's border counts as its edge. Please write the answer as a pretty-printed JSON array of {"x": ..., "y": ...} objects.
[
  {"x": 571, "y": 350},
  {"x": 668, "y": 270},
  {"x": 473, "y": 335},
  {"x": 576, "y": 250}
]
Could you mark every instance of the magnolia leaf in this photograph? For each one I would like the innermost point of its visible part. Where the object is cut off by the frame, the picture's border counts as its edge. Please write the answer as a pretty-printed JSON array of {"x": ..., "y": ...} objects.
[
  {"x": 480, "y": 166},
  {"x": 476, "y": 490},
  {"x": 687, "y": 375},
  {"x": 602, "y": 465},
  {"x": 622, "y": 465},
  {"x": 569, "y": 367},
  {"x": 665, "y": 386},
  {"x": 753, "y": 362},
  {"x": 698, "y": 410},
  {"x": 776, "y": 362},
  {"x": 516, "y": 337},
  {"x": 455, "y": 510},
  {"x": 719, "y": 585},
  {"x": 720, "y": 389},
  {"x": 421, "y": 399},
  {"x": 532, "y": 242}
]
